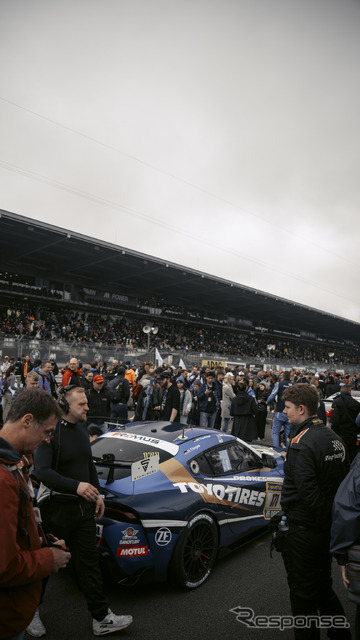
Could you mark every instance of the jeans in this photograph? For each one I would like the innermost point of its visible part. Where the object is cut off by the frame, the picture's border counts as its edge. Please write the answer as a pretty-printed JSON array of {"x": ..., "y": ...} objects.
[
  {"x": 19, "y": 636},
  {"x": 225, "y": 424},
  {"x": 207, "y": 419},
  {"x": 280, "y": 421},
  {"x": 118, "y": 410}
]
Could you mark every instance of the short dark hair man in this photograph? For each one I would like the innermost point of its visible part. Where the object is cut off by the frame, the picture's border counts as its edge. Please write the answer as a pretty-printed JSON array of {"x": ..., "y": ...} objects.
[
  {"x": 65, "y": 466},
  {"x": 170, "y": 404},
  {"x": 23, "y": 562},
  {"x": 209, "y": 401},
  {"x": 119, "y": 392},
  {"x": 315, "y": 466}
]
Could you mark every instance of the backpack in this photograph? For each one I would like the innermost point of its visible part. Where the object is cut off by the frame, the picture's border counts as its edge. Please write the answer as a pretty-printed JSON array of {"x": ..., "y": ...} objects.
[{"x": 116, "y": 393}]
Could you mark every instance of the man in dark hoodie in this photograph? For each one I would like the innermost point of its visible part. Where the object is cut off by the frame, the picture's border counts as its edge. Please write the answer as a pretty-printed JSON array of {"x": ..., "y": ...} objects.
[
  {"x": 23, "y": 561},
  {"x": 344, "y": 413}
]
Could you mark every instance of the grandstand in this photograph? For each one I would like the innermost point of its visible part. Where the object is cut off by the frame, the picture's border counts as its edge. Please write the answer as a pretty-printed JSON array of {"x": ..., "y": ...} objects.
[{"x": 66, "y": 277}]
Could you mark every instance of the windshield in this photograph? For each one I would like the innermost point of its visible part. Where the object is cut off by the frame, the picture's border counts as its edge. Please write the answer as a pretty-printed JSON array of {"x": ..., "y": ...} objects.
[{"x": 126, "y": 447}]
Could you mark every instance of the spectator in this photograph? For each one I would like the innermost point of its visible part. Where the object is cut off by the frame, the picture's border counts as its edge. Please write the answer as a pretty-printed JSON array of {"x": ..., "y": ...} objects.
[
  {"x": 262, "y": 394},
  {"x": 94, "y": 432},
  {"x": 185, "y": 400},
  {"x": 243, "y": 408},
  {"x": 170, "y": 403},
  {"x": 24, "y": 562},
  {"x": 209, "y": 401},
  {"x": 227, "y": 396},
  {"x": 98, "y": 401},
  {"x": 72, "y": 374},
  {"x": 119, "y": 392}
]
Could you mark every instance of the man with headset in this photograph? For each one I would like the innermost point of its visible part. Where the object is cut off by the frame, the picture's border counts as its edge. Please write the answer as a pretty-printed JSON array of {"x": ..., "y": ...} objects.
[{"x": 66, "y": 467}]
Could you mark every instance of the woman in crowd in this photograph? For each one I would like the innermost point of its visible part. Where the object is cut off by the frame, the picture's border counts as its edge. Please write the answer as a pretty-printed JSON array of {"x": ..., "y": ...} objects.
[
  {"x": 227, "y": 396},
  {"x": 185, "y": 400},
  {"x": 194, "y": 417}
]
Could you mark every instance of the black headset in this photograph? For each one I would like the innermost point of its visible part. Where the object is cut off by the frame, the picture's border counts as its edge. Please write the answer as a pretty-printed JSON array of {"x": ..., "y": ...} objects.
[{"x": 62, "y": 402}]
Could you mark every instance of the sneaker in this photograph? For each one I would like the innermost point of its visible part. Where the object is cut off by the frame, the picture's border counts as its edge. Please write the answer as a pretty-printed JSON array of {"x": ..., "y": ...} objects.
[
  {"x": 110, "y": 623},
  {"x": 36, "y": 627}
]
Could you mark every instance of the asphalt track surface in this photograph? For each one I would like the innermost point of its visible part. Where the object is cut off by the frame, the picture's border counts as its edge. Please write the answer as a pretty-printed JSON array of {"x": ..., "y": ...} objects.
[{"x": 247, "y": 577}]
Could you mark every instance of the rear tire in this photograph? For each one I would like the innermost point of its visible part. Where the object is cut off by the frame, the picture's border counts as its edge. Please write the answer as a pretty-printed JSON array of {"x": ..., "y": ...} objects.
[{"x": 195, "y": 552}]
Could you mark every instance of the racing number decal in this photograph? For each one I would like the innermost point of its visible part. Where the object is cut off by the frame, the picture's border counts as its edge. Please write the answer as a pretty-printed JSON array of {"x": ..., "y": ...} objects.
[{"x": 272, "y": 500}]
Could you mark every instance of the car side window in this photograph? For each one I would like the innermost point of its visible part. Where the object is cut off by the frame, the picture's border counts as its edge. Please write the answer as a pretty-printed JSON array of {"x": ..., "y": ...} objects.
[{"x": 231, "y": 458}]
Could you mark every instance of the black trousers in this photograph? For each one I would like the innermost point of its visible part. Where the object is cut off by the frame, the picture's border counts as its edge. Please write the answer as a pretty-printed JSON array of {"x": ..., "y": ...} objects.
[
  {"x": 74, "y": 522},
  {"x": 308, "y": 566}
]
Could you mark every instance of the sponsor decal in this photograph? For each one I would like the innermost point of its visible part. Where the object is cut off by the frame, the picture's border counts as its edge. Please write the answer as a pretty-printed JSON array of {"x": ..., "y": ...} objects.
[
  {"x": 163, "y": 536},
  {"x": 129, "y": 536},
  {"x": 131, "y": 552},
  {"x": 151, "y": 442},
  {"x": 272, "y": 500},
  {"x": 144, "y": 468},
  {"x": 238, "y": 495},
  {"x": 148, "y": 454},
  {"x": 201, "y": 516}
]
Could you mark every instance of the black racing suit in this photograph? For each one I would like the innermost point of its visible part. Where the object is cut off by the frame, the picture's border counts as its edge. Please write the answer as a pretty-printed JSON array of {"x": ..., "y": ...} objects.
[
  {"x": 316, "y": 464},
  {"x": 344, "y": 414}
]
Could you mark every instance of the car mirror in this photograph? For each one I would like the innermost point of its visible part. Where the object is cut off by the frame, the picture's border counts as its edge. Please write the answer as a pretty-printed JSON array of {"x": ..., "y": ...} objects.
[{"x": 268, "y": 461}]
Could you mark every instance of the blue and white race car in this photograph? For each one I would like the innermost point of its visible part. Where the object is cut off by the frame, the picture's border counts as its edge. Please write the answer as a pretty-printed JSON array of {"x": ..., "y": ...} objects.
[{"x": 176, "y": 495}]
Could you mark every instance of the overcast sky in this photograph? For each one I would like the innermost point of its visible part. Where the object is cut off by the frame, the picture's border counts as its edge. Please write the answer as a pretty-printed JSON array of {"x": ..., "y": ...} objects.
[{"x": 218, "y": 134}]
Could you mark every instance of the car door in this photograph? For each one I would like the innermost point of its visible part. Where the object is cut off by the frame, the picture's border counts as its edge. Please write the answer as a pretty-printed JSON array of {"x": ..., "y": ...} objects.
[{"x": 231, "y": 476}]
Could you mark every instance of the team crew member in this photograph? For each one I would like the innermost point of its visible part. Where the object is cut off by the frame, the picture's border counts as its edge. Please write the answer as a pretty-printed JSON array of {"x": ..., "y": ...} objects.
[
  {"x": 344, "y": 413},
  {"x": 315, "y": 466},
  {"x": 23, "y": 562},
  {"x": 66, "y": 467}
]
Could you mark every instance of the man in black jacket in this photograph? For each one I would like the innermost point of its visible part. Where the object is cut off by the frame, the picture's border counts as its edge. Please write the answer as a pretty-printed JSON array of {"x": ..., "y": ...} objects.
[
  {"x": 170, "y": 404},
  {"x": 98, "y": 401},
  {"x": 119, "y": 392},
  {"x": 344, "y": 413},
  {"x": 315, "y": 465},
  {"x": 66, "y": 467}
]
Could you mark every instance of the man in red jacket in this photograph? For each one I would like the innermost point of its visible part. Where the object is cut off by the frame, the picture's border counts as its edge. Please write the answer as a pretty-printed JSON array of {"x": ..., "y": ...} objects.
[
  {"x": 23, "y": 562},
  {"x": 72, "y": 375}
]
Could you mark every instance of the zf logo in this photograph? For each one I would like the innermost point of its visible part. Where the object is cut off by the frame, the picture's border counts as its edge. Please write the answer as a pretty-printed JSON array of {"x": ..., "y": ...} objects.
[{"x": 163, "y": 536}]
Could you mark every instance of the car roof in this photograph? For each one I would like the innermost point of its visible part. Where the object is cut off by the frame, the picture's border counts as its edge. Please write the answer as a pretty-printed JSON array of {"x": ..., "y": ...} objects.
[{"x": 171, "y": 431}]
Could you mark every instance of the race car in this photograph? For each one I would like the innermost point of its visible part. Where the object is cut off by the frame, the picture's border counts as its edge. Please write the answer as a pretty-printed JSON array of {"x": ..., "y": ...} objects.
[{"x": 174, "y": 496}]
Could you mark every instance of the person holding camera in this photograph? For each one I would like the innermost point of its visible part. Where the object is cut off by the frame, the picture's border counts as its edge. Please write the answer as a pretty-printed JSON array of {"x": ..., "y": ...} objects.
[{"x": 24, "y": 562}]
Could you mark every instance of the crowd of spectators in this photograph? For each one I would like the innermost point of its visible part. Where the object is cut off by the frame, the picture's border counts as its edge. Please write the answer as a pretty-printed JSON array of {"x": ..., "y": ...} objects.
[{"x": 176, "y": 335}]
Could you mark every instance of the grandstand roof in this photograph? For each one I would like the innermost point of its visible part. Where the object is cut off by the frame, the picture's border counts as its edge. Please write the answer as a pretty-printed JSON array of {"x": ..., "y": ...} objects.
[{"x": 45, "y": 251}]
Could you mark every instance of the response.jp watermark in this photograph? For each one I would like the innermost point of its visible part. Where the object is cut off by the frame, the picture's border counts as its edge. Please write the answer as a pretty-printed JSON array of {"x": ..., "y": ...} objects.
[{"x": 248, "y": 618}]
